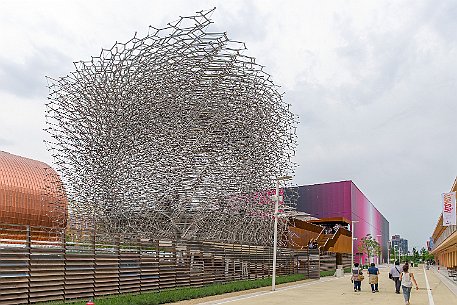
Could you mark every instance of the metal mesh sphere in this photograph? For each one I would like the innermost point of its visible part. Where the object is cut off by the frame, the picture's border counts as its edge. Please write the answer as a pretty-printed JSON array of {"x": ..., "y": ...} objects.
[{"x": 175, "y": 134}]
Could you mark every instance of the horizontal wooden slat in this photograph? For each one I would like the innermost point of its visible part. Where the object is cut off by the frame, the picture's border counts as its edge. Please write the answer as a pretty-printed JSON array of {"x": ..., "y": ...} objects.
[{"x": 49, "y": 271}]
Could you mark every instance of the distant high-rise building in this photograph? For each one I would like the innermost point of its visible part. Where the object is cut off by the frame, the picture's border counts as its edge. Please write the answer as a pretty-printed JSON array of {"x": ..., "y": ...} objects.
[{"x": 400, "y": 243}]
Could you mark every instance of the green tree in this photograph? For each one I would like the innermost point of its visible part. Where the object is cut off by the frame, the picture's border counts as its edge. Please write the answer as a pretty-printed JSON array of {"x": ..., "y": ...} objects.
[
  {"x": 369, "y": 246},
  {"x": 425, "y": 255},
  {"x": 416, "y": 257},
  {"x": 393, "y": 255}
]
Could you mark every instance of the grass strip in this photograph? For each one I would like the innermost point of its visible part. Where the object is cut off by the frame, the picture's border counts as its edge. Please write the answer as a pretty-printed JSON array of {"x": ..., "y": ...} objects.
[
  {"x": 332, "y": 272},
  {"x": 327, "y": 273},
  {"x": 187, "y": 293}
]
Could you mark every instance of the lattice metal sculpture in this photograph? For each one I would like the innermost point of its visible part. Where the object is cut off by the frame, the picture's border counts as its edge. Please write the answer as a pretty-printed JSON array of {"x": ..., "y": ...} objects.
[{"x": 176, "y": 135}]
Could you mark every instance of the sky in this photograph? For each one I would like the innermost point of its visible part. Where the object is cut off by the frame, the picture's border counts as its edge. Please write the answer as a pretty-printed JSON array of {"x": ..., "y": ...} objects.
[{"x": 374, "y": 84}]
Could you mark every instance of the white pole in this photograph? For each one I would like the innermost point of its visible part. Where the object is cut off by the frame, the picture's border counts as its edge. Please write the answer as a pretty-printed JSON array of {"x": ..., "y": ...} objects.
[
  {"x": 379, "y": 257},
  {"x": 352, "y": 244},
  {"x": 352, "y": 241},
  {"x": 388, "y": 253},
  {"x": 275, "y": 238}
]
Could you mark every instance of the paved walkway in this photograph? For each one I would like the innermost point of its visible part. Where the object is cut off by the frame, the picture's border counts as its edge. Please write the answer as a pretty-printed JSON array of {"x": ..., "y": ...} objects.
[
  {"x": 443, "y": 275},
  {"x": 339, "y": 291}
]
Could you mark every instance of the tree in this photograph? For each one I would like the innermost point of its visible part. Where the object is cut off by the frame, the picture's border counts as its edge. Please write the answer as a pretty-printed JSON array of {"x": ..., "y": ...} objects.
[
  {"x": 425, "y": 255},
  {"x": 393, "y": 255},
  {"x": 369, "y": 246},
  {"x": 416, "y": 256}
]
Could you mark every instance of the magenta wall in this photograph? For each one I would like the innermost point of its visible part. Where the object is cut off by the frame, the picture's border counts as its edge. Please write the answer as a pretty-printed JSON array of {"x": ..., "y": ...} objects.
[{"x": 344, "y": 199}]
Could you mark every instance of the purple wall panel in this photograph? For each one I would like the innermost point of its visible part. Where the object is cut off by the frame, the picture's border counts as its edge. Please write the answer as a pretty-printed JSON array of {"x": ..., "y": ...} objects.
[
  {"x": 326, "y": 200},
  {"x": 344, "y": 199},
  {"x": 371, "y": 221}
]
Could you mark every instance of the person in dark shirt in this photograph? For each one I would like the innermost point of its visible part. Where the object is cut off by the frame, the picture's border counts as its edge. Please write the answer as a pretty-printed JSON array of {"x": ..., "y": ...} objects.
[{"x": 373, "y": 273}]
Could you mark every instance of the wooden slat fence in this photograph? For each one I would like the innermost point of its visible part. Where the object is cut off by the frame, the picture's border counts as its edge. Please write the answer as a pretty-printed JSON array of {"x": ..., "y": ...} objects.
[
  {"x": 37, "y": 265},
  {"x": 328, "y": 261}
]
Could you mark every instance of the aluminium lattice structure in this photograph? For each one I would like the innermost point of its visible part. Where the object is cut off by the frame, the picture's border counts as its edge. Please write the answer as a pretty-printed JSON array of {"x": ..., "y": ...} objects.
[{"x": 178, "y": 134}]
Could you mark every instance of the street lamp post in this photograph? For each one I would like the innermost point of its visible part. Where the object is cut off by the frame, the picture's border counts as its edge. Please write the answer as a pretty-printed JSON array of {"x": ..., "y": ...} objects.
[
  {"x": 275, "y": 233},
  {"x": 388, "y": 252},
  {"x": 395, "y": 252},
  {"x": 352, "y": 241}
]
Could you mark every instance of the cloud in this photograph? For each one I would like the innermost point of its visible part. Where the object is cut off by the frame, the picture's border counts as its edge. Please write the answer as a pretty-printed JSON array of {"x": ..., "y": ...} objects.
[
  {"x": 27, "y": 78},
  {"x": 5, "y": 143},
  {"x": 374, "y": 83},
  {"x": 385, "y": 118},
  {"x": 242, "y": 22}
]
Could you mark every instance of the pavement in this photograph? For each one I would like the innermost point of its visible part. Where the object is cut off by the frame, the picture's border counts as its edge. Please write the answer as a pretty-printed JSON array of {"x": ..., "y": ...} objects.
[
  {"x": 443, "y": 275},
  {"x": 433, "y": 290}
]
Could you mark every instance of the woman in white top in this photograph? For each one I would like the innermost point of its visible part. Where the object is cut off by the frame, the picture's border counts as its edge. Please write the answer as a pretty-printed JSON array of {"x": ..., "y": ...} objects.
[{"x": 407, "y": 279}]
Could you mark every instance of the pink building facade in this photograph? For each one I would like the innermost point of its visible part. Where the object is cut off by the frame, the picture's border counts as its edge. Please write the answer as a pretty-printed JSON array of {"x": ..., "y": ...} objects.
[{"x": 344, "y": 199}]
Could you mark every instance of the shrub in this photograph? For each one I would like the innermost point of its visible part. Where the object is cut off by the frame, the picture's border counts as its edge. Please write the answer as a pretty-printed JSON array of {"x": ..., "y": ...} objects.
[
  {"x": 180, "y": 294},
  {"x": 327, "y": 273}
]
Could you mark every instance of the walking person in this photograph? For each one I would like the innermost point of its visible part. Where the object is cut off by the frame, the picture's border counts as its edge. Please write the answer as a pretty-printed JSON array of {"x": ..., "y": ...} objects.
[
  {"x": 407, "y": 279},
  {"x": 373, "y": 273},
  {"x": 357, "y": 277},
  {"x": 394, "y": 274}
]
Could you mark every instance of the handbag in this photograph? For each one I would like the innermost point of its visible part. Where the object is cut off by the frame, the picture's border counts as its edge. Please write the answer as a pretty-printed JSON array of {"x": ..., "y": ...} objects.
[{"x": 390, "y": 276}]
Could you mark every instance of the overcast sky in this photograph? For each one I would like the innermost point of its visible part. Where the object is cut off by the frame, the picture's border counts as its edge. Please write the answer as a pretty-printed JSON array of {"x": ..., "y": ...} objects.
[{"x": 373, "y": 82}]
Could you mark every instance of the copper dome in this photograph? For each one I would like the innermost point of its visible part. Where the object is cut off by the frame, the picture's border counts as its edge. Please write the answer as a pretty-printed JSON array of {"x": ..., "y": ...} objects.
[{"x": 31, "y": 193}]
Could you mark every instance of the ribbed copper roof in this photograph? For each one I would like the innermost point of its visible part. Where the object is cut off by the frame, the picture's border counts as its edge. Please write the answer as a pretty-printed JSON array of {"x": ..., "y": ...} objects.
[{"x": 31, "y": 193}]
